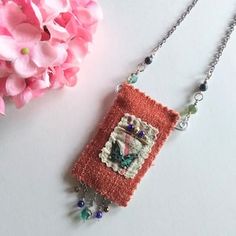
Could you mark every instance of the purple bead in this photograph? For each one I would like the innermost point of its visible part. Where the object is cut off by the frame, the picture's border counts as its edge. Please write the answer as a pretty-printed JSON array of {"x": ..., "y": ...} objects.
[
  {"x": 81, "y": 203},
  {"x": 141, "y": 134},
  {"x": 98, "y": 214},
  {"x": 130, "y": 128}
]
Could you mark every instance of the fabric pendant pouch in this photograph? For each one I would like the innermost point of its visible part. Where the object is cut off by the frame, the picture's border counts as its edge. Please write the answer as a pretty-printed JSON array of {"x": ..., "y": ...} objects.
[{"x": 124, "y": 147}]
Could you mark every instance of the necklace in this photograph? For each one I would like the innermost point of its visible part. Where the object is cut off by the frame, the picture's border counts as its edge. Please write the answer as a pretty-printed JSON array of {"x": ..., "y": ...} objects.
[{"x": 131, "y": 135}]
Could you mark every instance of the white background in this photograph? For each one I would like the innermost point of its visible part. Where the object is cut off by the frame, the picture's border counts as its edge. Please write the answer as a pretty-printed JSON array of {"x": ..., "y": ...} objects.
[{"x": 190, "y": 191}]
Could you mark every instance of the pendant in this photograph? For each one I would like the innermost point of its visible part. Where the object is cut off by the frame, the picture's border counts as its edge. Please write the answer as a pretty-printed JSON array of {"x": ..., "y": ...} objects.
[{"x": 115, "y": 160}]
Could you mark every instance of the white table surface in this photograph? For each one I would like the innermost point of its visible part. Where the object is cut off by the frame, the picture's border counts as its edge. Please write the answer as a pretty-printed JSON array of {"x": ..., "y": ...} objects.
[{"x": 190, "y": 191}]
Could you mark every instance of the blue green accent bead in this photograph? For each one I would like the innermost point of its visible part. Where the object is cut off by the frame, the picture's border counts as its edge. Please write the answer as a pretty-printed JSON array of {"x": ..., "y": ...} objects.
[
  {"x": 85, "y": 214},
  {"x": 133, "y": 78},
  {"x": 192, "y": 109}
]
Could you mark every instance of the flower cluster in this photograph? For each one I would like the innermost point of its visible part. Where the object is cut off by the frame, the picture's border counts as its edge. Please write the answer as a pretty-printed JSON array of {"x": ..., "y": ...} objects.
[{"x": 42, "y": 44}]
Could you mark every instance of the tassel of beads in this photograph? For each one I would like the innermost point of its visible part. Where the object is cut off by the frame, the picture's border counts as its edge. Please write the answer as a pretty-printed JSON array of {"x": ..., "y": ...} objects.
[{"x": 90, "y": 200}]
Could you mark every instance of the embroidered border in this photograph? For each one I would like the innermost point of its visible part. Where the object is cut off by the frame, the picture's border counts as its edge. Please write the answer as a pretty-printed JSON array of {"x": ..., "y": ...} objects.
[{"x": 141, "y": 136}]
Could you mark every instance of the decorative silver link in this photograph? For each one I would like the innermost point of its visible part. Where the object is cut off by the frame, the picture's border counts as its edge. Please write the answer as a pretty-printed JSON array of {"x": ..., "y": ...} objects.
[
  {"x": 198, "y": 97},
  {"x": 182, "y": 125}
]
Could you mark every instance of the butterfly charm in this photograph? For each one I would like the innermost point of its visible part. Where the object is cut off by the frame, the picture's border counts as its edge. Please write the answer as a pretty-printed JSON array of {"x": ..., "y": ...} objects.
[{"x": 124, "y": 161}]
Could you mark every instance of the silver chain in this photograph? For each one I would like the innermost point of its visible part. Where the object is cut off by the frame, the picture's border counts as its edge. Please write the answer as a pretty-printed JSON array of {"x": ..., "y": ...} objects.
[
  {"x": 220, "y": 48},
  {"x": 142, "y": 66},
  {"x": 198, "y": 96}
]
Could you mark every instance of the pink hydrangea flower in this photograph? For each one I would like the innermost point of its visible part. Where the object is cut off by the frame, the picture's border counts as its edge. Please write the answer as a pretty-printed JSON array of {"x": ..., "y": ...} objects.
[{"x": 42, "y": 44}]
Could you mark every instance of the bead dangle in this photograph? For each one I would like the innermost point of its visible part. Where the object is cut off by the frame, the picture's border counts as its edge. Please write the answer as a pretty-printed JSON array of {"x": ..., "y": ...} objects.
[{"x": 90, "y": 204}]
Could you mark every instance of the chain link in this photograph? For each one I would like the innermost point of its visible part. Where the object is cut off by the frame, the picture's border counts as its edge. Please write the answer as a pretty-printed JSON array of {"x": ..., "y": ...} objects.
[
  {"x": 198, "y": 96},
  {"x": 142, "y": 66},
  {"x": 220, "y": 49},
  {"x": 174, "y": 27}
]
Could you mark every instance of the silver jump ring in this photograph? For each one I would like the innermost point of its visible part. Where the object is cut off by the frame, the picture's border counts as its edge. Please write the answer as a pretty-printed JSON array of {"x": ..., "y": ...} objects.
[
  {"x": 182, "y": 125},
  {"x": 198, "y": 97}
]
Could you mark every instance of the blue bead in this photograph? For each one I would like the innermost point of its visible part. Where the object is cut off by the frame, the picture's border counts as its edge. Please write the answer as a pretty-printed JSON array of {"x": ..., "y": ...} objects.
[
  {"x": 141, "y": 134},
  {"x": 203, "y": 87},
  {"x": 130, "y": 128},
  {"x": 133, "y": 79},
  {"x": 98, "y": 214},
  {"x": 148, "y": 60},
  {"x": 81, "y": 203}
]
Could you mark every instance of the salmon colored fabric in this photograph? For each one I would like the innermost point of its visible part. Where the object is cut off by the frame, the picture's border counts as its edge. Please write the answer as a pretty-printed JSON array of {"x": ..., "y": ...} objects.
[{"x": 90, "y": 169}]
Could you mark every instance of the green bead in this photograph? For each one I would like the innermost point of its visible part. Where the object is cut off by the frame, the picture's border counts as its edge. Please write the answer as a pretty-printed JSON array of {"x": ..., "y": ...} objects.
[
  {"x": 85, "y": 214},
  {"x": 192, "y": 109},
  {"x": 185, "y": 112},
  {"x": 133, "y": 78}
]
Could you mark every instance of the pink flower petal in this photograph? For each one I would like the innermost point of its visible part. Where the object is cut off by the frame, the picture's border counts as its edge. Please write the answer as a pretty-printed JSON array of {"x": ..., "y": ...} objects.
[
  {"x": 26, "y": 33},
  {"x": 5, "y": 69},
  {"x": 14, "y": 85},
  {"x": 40, "y": 83},
  {"x": 37, "y": 13},
  {"x": 4, "y": 31},
  {"x": 50, "y": 9},
  {"x": 44, "y": 55},
  {"x": 84, "y": 16},
  {"x": 57, "y": 32},
  {"x": 63, "y": 18},
  {"x": 3, "y": 87},
  {"x": 57, "y": 6},
  {"x": 32, "y": 12},
  {"x": 24, "y": 67},
  {"x": 72, "y": 27},
  {"x": 76, "y": 3},
  {"x": 11, "y": 15},
  {"x": 95, "y": 10},
  {"x": 2, "y": 106},
  {"x": 23, "y": 98},
  {"x": 84, "y": 34},
  {"x": 70, "y": 76},
  {"x": 75, "y": 30},
  {"x": 38, "y": 93},
  {"x": 71, "y": 61},
  {"x": 8, "y": 48},
  {"x": 61, "y": 54},
  {"x": 57, "y": 79},
  {"x": 79, "y": 48},
  {"x": 90, "y": 14}
]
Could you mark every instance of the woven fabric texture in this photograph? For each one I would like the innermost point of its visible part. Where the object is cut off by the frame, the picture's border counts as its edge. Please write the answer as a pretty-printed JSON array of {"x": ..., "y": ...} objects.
[{"x": 90, "y": 169}]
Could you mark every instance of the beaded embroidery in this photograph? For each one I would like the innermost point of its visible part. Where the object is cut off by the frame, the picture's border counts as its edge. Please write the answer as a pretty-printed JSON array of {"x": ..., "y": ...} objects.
[{"x": 128, "y": 145}]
